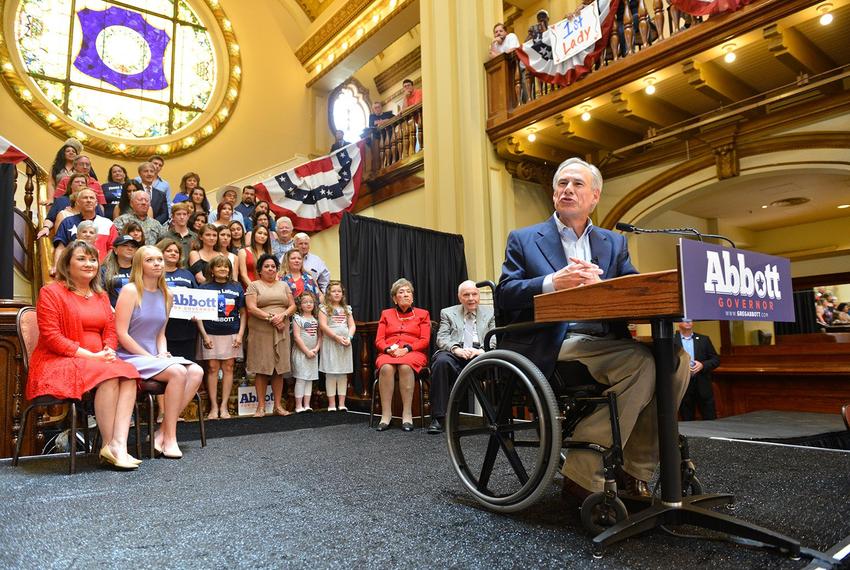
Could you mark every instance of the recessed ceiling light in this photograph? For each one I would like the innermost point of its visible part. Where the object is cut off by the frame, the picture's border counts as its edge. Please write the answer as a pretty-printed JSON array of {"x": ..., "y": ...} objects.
[
  {"x": 764, "y": 207},
  {"x": 843, "y": 206}
]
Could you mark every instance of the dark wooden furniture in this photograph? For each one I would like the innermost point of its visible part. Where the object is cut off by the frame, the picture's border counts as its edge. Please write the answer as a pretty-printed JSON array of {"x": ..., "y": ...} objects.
[{"x": 656, "y": 297}]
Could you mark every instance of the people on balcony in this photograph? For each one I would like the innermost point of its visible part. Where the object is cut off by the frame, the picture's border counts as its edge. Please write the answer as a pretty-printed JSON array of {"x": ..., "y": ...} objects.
[
  {"x": 378, "y": 116},
  {"x": 412, "y": 95},
  {"x": 76, "y": 348},
  {"x": 404, "y": 333},
  {"x": 503, "y": 42},
  {"x": 339, "y": 140}
]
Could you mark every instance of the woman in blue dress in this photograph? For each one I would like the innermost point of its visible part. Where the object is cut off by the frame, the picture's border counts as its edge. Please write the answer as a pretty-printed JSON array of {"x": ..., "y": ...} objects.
[{"x": 140, "y": 318}]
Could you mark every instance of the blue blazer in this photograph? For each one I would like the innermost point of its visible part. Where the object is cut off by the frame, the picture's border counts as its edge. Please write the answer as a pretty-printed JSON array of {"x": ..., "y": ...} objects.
[{"x": 532, "y": 253}]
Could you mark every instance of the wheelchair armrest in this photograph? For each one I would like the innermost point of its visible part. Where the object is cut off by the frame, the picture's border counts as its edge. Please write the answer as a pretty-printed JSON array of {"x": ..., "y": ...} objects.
[{"x": 513, "y": 327}]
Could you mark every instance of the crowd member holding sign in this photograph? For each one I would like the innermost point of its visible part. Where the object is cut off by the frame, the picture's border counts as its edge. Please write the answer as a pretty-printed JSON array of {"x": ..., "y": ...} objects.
[
  {"x": 337, "y": 324},
  {"x": 307, "y": 342},
  {"x": 270, "y": 306},
  {"x": 76, "y": 351},
  {"x": 221, "y": 340},
  {"x": 181, "y": 334},
  {"x": 140, "y": 319}
]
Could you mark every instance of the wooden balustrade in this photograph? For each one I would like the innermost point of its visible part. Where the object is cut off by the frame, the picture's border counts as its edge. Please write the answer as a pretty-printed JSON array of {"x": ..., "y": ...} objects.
[
  {"x": 635, "y": 29},
  {"x": 396, "y": 140}
]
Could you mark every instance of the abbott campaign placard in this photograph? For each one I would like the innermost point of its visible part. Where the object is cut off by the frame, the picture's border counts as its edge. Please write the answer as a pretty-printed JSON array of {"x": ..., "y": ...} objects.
[
  {"x": 198, "y": 303},
  {"x": 726, "y": 284}
]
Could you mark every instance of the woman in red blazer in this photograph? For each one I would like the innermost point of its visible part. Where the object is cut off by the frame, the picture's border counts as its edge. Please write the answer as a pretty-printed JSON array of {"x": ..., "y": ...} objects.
[
  {"x": 76, "y": 350},
  {"x": 404, "y": 333}
]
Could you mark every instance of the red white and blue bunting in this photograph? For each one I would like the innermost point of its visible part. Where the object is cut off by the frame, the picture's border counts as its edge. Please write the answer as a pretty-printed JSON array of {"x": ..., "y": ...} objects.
[
  {"x": 316, "y": 194},
  {"x": 9, "y": 154}
]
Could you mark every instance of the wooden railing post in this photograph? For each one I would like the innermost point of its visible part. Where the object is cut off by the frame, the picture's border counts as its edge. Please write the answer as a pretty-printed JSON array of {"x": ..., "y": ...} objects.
[
  {"x": 628, "y": 29},
  {"x": 658, "y": 10},
  {"x": 500, "y": 85}
]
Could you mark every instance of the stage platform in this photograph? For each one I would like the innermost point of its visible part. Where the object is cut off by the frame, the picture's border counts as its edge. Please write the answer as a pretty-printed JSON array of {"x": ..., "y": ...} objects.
[{"x": 276, "y": 492}]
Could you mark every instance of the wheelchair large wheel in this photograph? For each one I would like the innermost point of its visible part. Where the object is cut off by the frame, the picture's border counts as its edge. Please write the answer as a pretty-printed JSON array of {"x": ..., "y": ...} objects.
[{"x": 505, "y": 458}]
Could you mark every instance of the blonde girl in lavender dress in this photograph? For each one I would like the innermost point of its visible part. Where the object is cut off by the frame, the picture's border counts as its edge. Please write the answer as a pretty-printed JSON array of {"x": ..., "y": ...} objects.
[
  {"x": 336, "y": 322},
  {"x": 307, "y": 342}
]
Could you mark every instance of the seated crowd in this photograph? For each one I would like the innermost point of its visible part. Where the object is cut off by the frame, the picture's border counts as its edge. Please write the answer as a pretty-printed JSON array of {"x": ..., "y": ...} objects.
[{"x": 829, "y": 312}]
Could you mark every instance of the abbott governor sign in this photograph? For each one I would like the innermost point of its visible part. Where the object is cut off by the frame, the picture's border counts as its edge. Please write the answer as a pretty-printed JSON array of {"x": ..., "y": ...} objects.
[{"x": 721, "y": 283}]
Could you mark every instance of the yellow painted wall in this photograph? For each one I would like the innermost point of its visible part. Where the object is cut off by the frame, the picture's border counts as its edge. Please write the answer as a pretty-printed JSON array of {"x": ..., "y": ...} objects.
[{"x": 271, "y": 122}]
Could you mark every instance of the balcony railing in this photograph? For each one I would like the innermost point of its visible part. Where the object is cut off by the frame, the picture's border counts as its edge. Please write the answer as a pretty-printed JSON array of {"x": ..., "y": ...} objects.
[{"x": 647, "y": 35}]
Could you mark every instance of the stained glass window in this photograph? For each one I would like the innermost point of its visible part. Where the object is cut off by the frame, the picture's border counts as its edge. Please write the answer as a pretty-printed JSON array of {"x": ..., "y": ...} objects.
[
  {"x": 349, "y": 111},
  {"x": 129, "y": 69}
]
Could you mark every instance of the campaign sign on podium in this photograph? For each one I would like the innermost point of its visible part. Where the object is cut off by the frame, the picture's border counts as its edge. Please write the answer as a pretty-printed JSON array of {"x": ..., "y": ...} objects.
[{"x": 726, "y": 284}]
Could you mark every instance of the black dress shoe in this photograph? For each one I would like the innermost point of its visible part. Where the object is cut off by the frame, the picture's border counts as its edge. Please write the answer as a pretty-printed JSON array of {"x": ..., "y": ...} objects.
[
  {"x": 436, "y": 427},
  {"x": 382, "y": 427},
  {"x": 407, "y": 426}
]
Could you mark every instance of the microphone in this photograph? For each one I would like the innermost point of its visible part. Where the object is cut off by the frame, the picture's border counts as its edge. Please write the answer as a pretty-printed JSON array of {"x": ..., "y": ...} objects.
[{"x": 629, "y": 228}]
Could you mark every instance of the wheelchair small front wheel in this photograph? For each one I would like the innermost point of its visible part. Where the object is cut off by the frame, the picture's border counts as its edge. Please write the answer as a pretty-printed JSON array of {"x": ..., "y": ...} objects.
[
  {"x": 600, "y": 511},
  {"x": 691, "y": 486}
]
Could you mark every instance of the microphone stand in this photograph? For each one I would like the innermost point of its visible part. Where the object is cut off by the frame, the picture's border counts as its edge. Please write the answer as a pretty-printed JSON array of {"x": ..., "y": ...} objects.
[{"x": 629, "y": 228}]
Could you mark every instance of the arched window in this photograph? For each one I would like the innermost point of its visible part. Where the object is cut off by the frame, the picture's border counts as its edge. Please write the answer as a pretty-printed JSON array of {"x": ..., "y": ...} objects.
[
  {"x": 349, "y": 110},
  {"x": 128, "y": 77}
]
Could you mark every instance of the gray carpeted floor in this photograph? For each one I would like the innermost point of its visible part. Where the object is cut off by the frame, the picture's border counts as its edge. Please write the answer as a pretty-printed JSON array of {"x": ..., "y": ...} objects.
[
  {"x": 765, "y": 424},
  {"x": 343, "y": 495}
]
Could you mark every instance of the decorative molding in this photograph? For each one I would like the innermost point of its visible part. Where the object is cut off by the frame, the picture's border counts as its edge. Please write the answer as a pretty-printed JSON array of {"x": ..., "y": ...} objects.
[
  {"x": 25, "y": 92},
  {"x": 400, "y": 70},
  {"x": 395, "y": 180},
  {"x": 353, "y": 44},
  {"x": 726, "y": 161},
  {"x": 796, "y": 141},
  {"x": 323, "y": 36}
]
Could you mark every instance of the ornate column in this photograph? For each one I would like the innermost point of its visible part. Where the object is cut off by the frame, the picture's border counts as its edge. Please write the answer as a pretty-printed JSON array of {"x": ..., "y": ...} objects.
[{"x": 469, "y": 190}]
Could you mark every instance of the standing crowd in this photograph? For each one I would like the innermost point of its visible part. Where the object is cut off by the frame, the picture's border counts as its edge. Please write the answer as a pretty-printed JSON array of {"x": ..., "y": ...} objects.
[{"x": 121, "y": 247}]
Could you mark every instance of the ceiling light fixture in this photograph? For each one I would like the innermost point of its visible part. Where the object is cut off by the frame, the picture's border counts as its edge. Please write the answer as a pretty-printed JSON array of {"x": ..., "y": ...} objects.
[
  {"x": 826, "y": 15},
  {"x": 585, "y": 113},
  {"x": 531, "y": 136},
  {"x": 650, "y": 85},
  {"x": 843, "y": 206},
  {"x": 729, "y": 53}
]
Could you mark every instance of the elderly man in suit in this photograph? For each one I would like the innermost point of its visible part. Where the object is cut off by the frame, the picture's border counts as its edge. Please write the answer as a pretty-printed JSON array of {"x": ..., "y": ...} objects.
[
  {"x": 459, "y": 340},
  {"x": 704, "y": 359},
  {"x": 567, "y": 251}
]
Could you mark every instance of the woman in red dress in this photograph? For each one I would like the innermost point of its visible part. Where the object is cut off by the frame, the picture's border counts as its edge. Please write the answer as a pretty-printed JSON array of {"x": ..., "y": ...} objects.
[
  {"x": 404, "y": 333},
  {"x": 76, "y": 351}
]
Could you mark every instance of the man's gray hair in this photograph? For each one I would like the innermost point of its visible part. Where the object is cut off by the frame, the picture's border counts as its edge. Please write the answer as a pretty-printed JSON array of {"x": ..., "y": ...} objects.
[
  {"x": 301, "y": 235},
  {"x": 146, "y": 165},
  {"x": 467, "y": 283},
  {"x": 595, "y": 175}
]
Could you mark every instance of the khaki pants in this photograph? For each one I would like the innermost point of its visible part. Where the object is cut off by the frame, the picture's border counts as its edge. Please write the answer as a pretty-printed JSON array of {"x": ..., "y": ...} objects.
[{"x": 629, "y": 368}]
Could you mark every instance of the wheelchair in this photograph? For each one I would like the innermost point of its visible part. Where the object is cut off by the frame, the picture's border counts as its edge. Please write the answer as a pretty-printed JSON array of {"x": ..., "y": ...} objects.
[{"x": 509, "y": 429}]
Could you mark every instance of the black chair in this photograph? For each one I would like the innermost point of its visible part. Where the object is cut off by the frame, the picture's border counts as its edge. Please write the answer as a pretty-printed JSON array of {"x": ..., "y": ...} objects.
[
  {"x": 27, "y": 326},
  {"x": 147, "y": 391},
  {"x": 422, "y": 377}
]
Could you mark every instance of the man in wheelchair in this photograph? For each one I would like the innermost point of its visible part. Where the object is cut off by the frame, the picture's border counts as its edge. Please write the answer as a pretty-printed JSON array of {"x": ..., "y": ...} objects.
[{"x": 567, "y": 251}]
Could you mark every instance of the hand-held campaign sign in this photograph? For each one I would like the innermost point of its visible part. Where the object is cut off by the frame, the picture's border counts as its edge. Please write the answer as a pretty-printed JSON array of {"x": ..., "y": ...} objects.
[
  {"x": 576, "y": 33},
  {"x": 726, "y": 284},
  {"x": 199, "y": 303}
]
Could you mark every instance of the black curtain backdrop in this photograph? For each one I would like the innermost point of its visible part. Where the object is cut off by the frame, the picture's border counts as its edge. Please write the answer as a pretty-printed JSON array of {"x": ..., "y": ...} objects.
[
  {"x": 804, "y": 310},
  {"x": 374, "y": 253},
  {"x": 8, "y": 174}
]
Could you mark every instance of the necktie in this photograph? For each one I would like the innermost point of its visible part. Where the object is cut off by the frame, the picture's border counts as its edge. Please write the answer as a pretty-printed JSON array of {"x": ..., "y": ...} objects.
[{"x": 469, "y": 332}]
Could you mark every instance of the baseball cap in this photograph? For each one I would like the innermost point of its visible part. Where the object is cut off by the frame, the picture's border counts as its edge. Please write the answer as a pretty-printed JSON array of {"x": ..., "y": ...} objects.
[{"x": 125, "y": 240}]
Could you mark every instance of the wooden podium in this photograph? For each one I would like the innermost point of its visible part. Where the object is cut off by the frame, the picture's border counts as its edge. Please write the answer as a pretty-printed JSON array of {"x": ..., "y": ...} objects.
[{"x": 655, "y": 298}]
